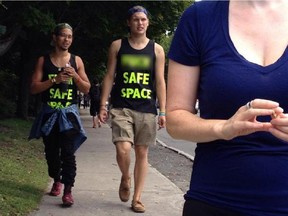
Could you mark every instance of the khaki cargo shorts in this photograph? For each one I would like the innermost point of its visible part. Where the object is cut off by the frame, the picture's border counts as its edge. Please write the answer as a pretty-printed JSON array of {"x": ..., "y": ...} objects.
[{"x": 132, "y": 126}]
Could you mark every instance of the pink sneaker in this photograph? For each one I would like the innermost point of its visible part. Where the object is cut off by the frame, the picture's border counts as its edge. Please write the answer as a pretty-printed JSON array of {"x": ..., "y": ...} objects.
[
  {"x": 56, "y": 189},
  {"x": 67, "y": 198}
]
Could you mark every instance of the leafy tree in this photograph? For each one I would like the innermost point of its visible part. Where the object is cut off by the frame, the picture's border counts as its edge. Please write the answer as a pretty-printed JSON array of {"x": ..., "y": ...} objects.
[{"x": 96, "y": 24}]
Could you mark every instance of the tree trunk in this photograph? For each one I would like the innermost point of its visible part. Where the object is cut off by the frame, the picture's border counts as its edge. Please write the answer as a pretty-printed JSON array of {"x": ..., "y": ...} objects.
[{"x": 24, "y": 72}]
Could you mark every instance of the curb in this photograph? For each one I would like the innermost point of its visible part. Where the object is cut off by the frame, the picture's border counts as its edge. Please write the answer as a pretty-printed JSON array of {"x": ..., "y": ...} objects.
[{"x": 190, "y": 157}]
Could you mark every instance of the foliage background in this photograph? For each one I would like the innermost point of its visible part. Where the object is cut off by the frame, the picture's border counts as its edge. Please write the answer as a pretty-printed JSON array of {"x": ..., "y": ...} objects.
[{"x": 25, "y": 34}]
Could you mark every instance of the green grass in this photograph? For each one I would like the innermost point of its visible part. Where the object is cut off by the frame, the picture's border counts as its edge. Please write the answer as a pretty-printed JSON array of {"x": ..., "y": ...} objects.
[{"x": 23, "y": 169}]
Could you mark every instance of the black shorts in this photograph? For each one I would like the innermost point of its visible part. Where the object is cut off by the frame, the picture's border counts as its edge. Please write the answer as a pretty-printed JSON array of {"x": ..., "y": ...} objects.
[{"x": 94, "y": 107}]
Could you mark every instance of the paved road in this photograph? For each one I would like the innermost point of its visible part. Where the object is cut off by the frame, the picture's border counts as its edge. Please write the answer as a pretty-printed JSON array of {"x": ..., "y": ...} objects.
[
  {"x": 183, "y": 147},
  {"x": 98, "y": 179},
  {"x": 173, "y": 158}
]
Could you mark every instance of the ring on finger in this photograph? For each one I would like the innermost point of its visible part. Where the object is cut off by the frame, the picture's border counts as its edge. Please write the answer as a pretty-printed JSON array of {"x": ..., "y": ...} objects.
[{"x": 249, "y": 105}]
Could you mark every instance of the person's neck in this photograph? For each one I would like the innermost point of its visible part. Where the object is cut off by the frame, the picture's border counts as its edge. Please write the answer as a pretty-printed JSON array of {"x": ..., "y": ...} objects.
[
  {"x": 135, "y": 39},
  {"x": 60, "y": 53},
  {"x": 60, "y": 58},
  {"x": 262, "y": 4}
]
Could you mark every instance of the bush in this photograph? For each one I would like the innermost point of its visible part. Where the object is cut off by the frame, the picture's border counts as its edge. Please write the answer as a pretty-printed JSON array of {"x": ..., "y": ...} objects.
[{"x": 9, "y": 84}]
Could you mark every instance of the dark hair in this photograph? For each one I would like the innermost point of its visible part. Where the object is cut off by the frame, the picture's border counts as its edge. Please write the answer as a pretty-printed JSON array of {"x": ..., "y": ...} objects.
[
  {"x": 60, "y": 26},
  {"x": 136, "y": 9}
]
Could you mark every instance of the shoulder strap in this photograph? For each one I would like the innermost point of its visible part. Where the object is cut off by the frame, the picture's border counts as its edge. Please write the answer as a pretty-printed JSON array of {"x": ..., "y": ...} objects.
[
  {"x": 73, "y": 61},
  {"x": 46, "y": 57}
]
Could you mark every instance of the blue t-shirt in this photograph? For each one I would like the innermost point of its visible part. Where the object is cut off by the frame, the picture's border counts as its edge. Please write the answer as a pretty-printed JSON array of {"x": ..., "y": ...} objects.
[{"x": 248, "y": 173}]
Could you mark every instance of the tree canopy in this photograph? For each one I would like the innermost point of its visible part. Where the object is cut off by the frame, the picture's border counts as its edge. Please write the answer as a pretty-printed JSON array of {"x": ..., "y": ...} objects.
[{"x": 25, "y": 34}]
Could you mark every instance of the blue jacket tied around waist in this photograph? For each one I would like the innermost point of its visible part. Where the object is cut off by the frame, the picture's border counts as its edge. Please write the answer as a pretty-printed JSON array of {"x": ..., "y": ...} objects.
[{"x": 41, "y": 128}]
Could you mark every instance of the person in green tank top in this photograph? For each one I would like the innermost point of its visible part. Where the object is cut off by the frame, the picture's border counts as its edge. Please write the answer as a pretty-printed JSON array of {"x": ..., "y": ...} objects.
[{"x": 138, "y": 64}]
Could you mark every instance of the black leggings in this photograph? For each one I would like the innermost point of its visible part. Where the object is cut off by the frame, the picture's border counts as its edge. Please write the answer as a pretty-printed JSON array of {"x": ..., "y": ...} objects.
[{"x": 198, "y": 208}]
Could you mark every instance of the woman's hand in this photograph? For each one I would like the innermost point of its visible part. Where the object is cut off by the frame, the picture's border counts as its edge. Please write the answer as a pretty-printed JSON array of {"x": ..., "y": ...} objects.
[
  {"x": 244, "y": 121},
  {"x": 280, "y": 127}
]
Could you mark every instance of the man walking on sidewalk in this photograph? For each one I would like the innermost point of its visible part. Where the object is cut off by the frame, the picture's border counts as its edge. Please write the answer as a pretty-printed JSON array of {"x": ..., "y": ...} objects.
[
  {"x": 138, "y": 64},
  {"x": 57, "y": 76}
]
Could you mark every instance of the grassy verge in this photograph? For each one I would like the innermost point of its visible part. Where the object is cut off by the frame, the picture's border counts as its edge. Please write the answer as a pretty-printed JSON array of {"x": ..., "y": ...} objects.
[{"x": 23, "y": 169}]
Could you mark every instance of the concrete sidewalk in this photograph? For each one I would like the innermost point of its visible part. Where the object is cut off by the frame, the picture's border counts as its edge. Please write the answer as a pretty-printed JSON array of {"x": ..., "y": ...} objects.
[{"x": 98, "y": 178}]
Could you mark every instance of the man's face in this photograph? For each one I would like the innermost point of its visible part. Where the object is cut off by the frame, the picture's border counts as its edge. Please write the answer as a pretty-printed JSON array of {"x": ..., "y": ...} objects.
[
  {"x": 138, "y": 23},
  {"x": 64, "y": 39}
]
